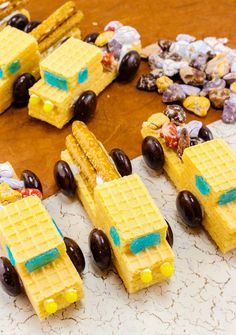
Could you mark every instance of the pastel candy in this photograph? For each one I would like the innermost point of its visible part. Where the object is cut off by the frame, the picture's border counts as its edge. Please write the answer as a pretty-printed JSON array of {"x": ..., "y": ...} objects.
[
  {"x": 6, "y": 170},
  {"x": 13, "y": 183}
]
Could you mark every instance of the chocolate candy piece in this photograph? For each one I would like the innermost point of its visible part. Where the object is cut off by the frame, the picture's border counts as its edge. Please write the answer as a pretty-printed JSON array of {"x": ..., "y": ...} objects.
[
  {"x": 176, "y": 114},
  {"x": 169, "y": 235},
  {"x": 129, "y": 66},
  {"x": 184, "y": 142},
  {"x": 122, "y": 162},
  {"x": 75, "y": 254},
  {"x": 21, "y": 89},
  {"x": 229, "y": 112},
  {"x": 31, "y": 25},
  {"x": 165, "y": 44},
  {"x": 31, "y": 180},
  {"x": 147, "y": 83},
  {"x": 91, "y": 38},
  {"x": 85, "y": 106},
  {"x": 64, "y": 178},
  {"x": 153, "y": 153},
  {"x": 218, "y": 96},
  {"x": 18, "y": 21},
  {"x": 9, "y": 278},
  {"x": 189, "y": 209},
  {"x": 205, "y": 133},
  {"x": 100, "y": 248},
  {"x": 192, "y": 76},
  {"x": 196, "y": 141},
  {"x": 173, "y": 93}
]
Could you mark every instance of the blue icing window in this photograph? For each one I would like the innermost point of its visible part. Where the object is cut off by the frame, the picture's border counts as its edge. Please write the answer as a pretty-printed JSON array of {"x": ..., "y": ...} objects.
[
  {"x": 58, "y": 229},
  {"x": 11, "y": 257},
  {"x": 227, "y": 197},
  {"x": 1, "y": 73},
  {"x": 144, "y": 242},
  {"x": 202, "y": 185},
  {"x": 41, "y": 260},
  {"x": 56, "y": 81},
  {"x": 83, "y": 75},
  {"x": 14, "y": 67},
  {"x": 115, "y": 236}
]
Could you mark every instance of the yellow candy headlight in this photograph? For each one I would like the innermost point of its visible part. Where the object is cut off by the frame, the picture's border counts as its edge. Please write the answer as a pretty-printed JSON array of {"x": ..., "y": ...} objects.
[
  {"x": 71, "y": 295},
  {"x": 34, "y": 99},
  {"x": 50, "y": 306},
  {"x": 48, "y": 106},
  {"x": 146, "y": 276},
  {"x": 167, "y": 269}
]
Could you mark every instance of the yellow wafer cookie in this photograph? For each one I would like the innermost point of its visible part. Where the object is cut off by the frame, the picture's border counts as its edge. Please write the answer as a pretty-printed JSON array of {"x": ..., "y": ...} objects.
[
  {"x": 95, "y": 153},
  {"x": 81, "y": 160},
  {"x": 63, "y": 30},
  {"x": 54, "y": 21},
  {"x": 13, "y": 5}
]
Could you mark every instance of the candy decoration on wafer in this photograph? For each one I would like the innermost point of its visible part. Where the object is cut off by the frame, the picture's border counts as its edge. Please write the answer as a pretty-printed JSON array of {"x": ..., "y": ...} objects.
[
  {"x": 47, "y": 255},
  {"x": 129, "y": 229},
  {"x": 204, "y": 170}
]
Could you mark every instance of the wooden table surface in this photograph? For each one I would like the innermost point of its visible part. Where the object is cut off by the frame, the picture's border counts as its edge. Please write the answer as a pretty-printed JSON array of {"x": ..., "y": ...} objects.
[{"x": 31, "y": 144}]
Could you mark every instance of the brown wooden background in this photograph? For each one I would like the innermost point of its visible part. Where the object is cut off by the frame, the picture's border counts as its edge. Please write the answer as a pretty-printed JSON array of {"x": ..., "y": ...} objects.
[{"x": 31, "y": 144}]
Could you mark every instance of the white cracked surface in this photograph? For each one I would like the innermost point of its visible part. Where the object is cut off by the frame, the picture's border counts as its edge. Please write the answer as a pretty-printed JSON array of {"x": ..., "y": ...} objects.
[{"x": 199, "y": 300}]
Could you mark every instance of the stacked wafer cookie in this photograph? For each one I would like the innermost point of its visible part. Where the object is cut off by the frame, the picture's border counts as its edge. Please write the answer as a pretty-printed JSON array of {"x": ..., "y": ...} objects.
[
  {"x": 11, "y": 8},
  {"x": 123, "y": 209},
  {"x": 61, "y": 24},
  {"x": 90, "y": 156}
]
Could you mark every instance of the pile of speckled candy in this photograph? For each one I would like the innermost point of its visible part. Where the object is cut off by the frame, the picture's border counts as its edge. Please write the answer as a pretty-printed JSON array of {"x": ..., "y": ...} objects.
[{"x": 194, "y": 73}]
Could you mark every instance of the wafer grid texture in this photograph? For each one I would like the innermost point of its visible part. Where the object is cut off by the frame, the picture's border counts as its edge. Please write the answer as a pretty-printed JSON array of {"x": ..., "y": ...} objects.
[
  {"x": 13, "y": 44},
  {"x": 50, "y": 282},
  {"x": 67, "y": 61},
  {"x": 130, "y": 266},
  {"x": 129, "y": 208},
  {"x": 216, "y": 162},
  {"x": 16, "y": 45},
  {"x": 27, "y": 229}
]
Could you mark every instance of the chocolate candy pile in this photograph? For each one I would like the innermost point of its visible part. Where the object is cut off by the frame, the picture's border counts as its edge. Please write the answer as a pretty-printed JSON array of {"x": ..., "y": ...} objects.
[{"x": 195, "y": 73}]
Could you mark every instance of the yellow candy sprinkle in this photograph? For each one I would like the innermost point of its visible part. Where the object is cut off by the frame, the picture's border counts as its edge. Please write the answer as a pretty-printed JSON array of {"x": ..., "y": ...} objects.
[
  {"x": 233, "y": 87},
  {"x": 48, "y": 106},
  {"x": 34, "y": 99},
  {"x": 104, "y": 38},
  {"x": 167, "y": 269},
  {"x": 146, "y": 276},
  {"x": 197, "y": 105},
  {"x": 163, "y": 83},
  {"x": 71, "y": 296},
  {"x": 50, "y": 306}
]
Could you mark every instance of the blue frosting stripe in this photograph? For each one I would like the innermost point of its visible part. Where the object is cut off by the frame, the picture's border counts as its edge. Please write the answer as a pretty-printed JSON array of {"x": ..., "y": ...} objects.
[
  {"x": 14, "y": 67},
  {"x": 56, "y": 81},
  {"x": 83, "y": 75},
  {"x": 42, "y": 259},
  {"x": 115, "y": 236},
  {"x": 1, "y": 73},
  {"x": 202, "y": 186},
  {"x": 11, "y": 257},
  {"x": 144, "y": 242},
  {"x": 227, "y": 197},
  {"x": 58, "y": 229}
]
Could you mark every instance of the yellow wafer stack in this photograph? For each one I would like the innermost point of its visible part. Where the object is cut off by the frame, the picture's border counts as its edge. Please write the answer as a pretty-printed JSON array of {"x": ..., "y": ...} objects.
[
  {"x": 18, "y": 54},
  {"x": 209, "y": 171},
  {"x": 66, "y": 63},
  {"x": 28, "y": 235},
  {"x": 123, "y": 208}
]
